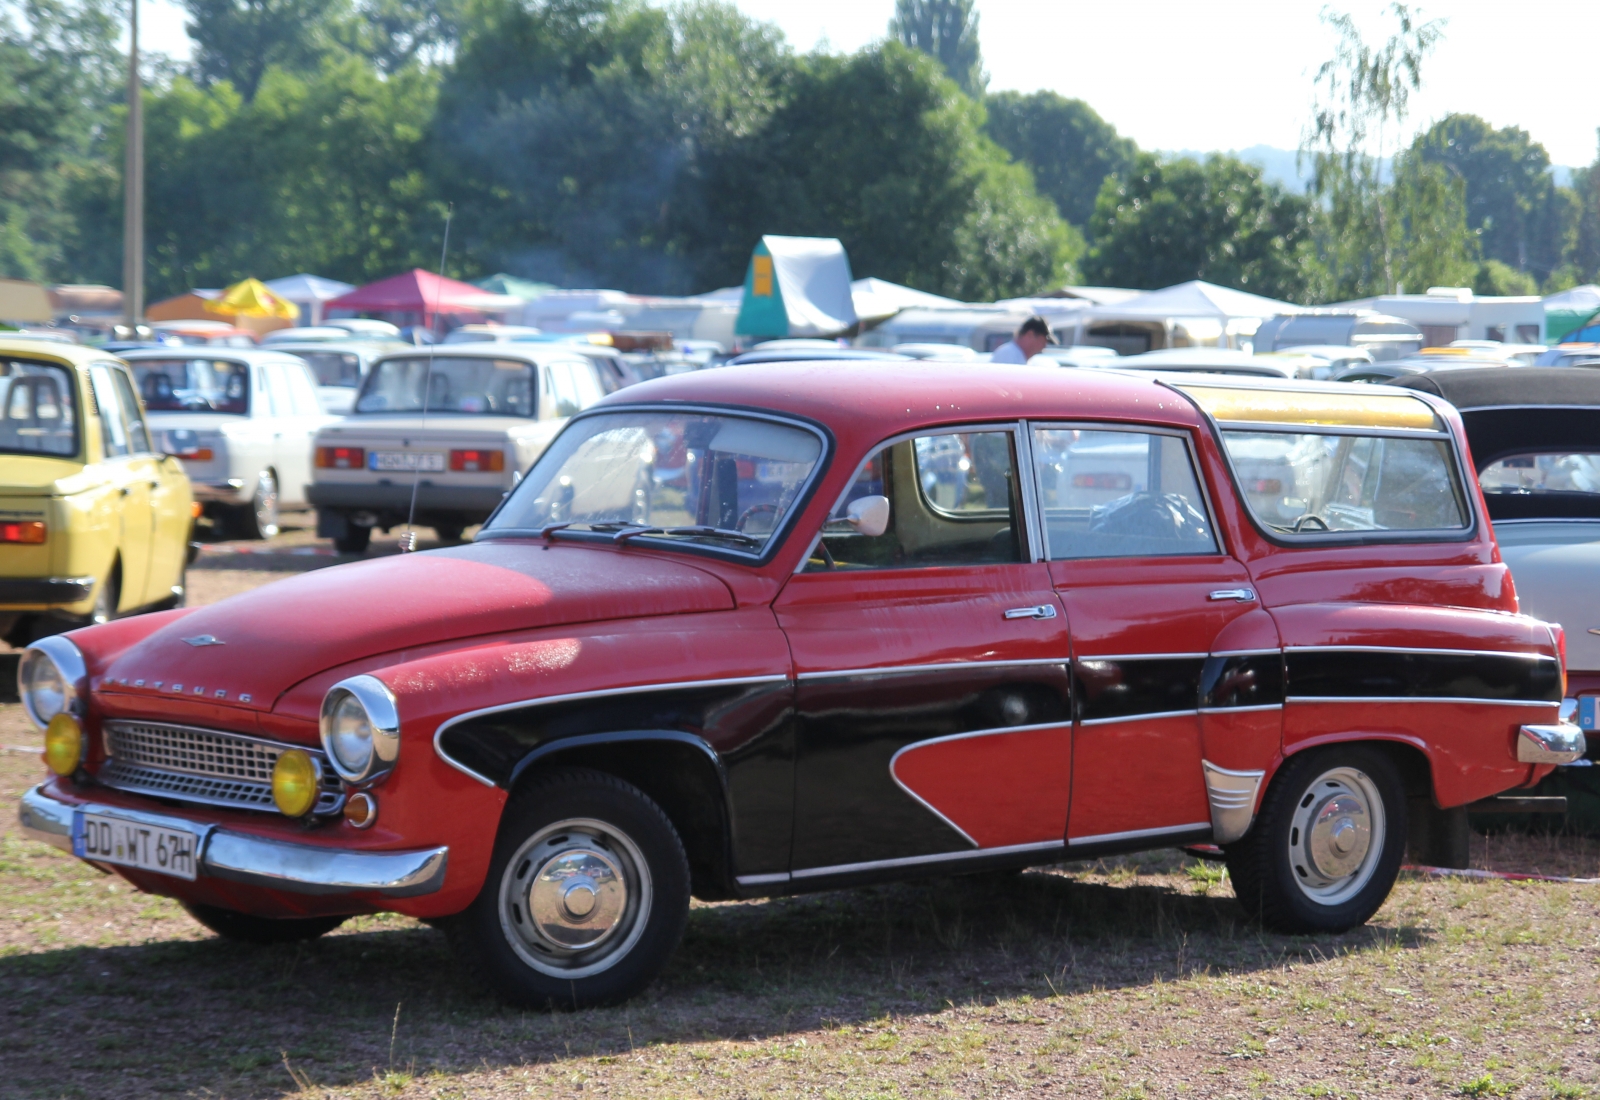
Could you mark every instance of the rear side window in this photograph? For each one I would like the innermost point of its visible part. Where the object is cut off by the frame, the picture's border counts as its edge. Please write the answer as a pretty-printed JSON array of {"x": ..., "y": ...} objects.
[
  {"x": 1311, "y": 483},
  {"x": 38, "y": 408},
  {"x": 1119, "y": 494}
]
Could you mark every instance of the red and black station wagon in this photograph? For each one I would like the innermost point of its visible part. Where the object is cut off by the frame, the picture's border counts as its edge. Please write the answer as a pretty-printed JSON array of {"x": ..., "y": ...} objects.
[{"x": 792, "y": 627}]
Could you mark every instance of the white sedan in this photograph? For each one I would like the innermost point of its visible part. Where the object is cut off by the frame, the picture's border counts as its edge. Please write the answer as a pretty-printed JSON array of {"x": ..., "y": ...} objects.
[
  {"x": 444, "y": 462},
  {"x": 242, "y": 420}
]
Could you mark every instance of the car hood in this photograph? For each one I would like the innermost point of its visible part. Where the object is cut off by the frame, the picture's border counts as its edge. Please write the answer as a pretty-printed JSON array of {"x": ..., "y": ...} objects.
[
  {"x": 273, "y": 637},
  {"x": 42, "y": 476},
  {"x": 1555, "y": 582}
]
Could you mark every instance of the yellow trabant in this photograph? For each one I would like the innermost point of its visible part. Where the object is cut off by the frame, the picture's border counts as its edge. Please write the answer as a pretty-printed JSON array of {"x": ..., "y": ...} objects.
[{"x": 94, "y": 521}]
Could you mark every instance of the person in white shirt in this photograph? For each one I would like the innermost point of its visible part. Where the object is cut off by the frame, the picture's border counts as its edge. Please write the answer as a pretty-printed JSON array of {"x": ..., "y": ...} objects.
[{"x": 1031, "y": 337}]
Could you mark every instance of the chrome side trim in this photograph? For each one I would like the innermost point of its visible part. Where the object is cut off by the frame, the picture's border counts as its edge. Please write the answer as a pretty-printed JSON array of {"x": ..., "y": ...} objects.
[
  {"x": 1557, "y": 744},
  {"x": 945, "y": 667},
  {"x": 258, "y": 861},
  {"x": 1421, "y": 699},
  {"x": 1135, "y": 834},
  {"x": 1086, "y": 722},
  {"x": 1410, "y": 649},
  {"x": 1241, "y": 710},
  {"x": 917, "y": 861},
  {"x": 1232, "y": 795},
  {"x": 548, "y": 699},
  {"x": 1145, "y": 656},
  {"x": 1244, "y": 652},
  {"x": 762, "y": 880}
]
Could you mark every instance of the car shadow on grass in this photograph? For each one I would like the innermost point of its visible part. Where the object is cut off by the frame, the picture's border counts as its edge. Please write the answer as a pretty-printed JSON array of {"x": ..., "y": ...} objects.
[{"x": 385, "y": 995}]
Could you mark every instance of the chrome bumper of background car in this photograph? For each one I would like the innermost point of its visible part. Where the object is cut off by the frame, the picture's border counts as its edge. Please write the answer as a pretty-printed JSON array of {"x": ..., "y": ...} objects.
[
  {"x": 1558, "y": 744},
  {"x": 45, "y": 589},
  {"x": 397, "y": 496},
  {"x": 231, "y": 491},
  {"x": 257, "y": 861}
]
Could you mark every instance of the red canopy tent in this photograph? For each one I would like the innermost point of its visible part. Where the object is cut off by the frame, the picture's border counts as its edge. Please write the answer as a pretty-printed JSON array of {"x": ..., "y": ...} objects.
[{"x": 424, "y": 295}]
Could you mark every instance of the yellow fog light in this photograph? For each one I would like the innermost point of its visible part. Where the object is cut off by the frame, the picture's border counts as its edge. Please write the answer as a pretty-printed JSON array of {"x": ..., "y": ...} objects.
[
  {"x": 296, "y": 782},
  {"x": 63, "y": 744}
]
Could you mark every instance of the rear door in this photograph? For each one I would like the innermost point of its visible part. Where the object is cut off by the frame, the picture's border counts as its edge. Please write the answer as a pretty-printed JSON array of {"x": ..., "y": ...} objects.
[
  {"x": 170, "y": 498},
  {"x": 136, "y": 481},
  {"x": 933, "y": 697},
  {"x": 1135, "y": 559}
]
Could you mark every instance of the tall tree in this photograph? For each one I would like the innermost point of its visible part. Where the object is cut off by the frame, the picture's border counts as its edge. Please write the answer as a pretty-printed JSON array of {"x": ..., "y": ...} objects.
[
  {"x": 237, "y": 40},
  {"x": 1522, "y": 219},
  {"x": 1362, "y": 98},
  {"x": 1217, "y": 220},
  {"x": 946, "y": 30},
  {"x": 1069, "y": 148}
]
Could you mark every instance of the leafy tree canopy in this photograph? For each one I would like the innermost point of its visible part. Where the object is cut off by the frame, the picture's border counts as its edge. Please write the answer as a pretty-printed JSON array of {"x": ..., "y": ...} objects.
[
  {"x": 1070, "y": 148},
  {"x": 946, "y": 30}
]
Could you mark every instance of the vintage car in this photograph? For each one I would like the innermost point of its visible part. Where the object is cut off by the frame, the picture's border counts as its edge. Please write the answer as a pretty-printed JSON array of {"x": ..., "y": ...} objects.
[
  {"x": 337, "y": 365},
  {"x": 491, "y": 409},
  {"x": 786, "y": 668},
  {"x": 94, "y": 521},
  {"x": 242, "y": 421}
]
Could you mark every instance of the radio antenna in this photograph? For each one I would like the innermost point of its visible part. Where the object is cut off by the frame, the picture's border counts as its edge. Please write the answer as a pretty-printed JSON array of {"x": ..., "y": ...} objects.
[{"x": 408, "y": 541}]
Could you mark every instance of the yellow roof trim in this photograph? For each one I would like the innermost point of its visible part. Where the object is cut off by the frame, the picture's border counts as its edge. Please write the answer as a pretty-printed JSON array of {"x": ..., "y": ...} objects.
[{"x": 1356, "y": 410}]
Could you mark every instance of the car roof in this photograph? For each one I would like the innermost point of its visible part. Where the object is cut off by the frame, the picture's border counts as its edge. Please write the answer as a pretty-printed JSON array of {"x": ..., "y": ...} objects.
[
  {"x": 315, "y": 347},
  {"x": 530, "y": 353},
  {"x": 251, "y": 356},
  {"x": 791, "y": 355},
  {"x": 77, "y": 355},
  {"x": 1501, "y": 387}
]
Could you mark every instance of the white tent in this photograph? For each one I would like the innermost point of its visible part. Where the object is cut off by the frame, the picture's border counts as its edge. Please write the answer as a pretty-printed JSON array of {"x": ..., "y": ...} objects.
[
  {"x": 1197, "y": 298},
  {"x": 876, "y": 299},
  {"x": 309, "y": 292},
  {"x": 797, "y": 286},
  {"x": 1195, "y": 312}
]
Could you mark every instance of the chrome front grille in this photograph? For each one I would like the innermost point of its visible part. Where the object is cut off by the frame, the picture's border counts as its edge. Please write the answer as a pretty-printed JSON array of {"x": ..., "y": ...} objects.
[{"x": 199, "y": 765}]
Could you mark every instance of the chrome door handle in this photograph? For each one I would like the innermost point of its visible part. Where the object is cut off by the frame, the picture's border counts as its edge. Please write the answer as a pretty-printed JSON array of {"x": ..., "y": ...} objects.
[
  {"x": 1242, "y": 595},
  {"x": 1042, "y": 611}
]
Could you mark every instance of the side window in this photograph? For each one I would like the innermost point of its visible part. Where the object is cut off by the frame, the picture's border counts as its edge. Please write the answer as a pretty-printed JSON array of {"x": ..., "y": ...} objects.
[
  {"x": 1119, "y": 494},
  {"x": 138, "y": 433},
  {"x": 563, "y": 389},
  {"x": 278, "y": 389},
  {"x": 586, "y": 383},
  {"x": 113, "y": 424},
  {"x": 302, "y": 389},
  {"x": 953, "y": 501}
]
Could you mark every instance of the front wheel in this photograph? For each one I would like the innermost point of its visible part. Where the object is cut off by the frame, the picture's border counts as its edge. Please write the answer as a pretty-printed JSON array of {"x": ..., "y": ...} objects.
[
  {"x": 244, "y": 928},
  {"x": 259, "y": 518},
  {"x": 586, "y": 897},
  {"x": 1326, "y": 848}
]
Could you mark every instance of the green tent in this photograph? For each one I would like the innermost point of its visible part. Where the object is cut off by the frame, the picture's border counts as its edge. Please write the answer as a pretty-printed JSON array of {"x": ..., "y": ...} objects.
[
  {"x": 1567, "y": 312},
  {"x": 797, "y": 286},
  {"x": 525, "y": 289}
]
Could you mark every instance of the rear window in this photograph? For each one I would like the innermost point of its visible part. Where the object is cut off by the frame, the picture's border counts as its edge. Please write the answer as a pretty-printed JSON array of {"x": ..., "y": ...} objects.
[
  {"x": 475, "y": 385},
  {"x": 1537, "y": 474},
  {"x": 193, "y": 385},
  {"x": 333, "y": 368},
  {"x": 38, "y": 408}
]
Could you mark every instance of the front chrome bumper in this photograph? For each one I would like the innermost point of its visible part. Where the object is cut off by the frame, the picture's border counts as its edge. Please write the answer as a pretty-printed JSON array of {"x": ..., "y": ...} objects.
[
  {"x": 258, "y": 861},
  {"x": 1559, "y": 744}
]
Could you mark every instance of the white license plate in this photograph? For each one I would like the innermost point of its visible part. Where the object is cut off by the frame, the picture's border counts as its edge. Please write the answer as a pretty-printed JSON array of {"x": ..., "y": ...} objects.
[
  {"x": 425, "y": 461},
  {"x": 168, "y": 850}
]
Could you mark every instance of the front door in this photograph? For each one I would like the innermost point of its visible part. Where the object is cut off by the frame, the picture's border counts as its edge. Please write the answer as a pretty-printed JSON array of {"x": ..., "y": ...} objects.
[
  {"x": 933, "y": 697},
  {"x": 1135, "y": 558}
]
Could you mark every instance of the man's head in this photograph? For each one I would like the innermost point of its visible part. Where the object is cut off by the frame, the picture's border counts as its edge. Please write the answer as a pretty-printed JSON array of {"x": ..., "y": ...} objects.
[{"x": 1033, "y": 336}]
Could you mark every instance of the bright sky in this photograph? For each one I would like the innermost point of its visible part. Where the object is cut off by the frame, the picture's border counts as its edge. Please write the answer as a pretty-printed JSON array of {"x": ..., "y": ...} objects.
[{"x": 1214, "y": 74}]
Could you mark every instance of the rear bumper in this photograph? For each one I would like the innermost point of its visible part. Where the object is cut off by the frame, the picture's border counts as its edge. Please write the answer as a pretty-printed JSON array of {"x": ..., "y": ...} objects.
[
  {"x": 467, "y": 501},
  {"x": 257, "y": 861},
  {"x": 33, "y": 591}
]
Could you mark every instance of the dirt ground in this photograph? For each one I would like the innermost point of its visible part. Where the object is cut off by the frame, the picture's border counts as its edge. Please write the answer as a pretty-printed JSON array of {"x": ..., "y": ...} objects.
[{"x": 1122, "y": 978}]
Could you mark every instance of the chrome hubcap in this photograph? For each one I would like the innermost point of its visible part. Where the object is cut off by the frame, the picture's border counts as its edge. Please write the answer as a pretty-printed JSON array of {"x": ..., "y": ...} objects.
[
  {"x": 575, "y": 897},
  {"x": 1336, "y": 835}
]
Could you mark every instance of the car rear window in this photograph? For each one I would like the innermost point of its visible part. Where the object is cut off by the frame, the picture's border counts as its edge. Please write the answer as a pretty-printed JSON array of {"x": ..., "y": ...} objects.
[
  {"x": 38, "y": 408},
  {"x": 193, "y": 385},
  {"x": 1543, "y": 473},
  {"x": 476, "y": 385}
]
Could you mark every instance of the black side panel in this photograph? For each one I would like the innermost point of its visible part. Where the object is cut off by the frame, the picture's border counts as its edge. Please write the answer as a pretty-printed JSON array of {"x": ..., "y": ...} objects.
[
  {"x": 1126, "y": 688},
  {"x": 848, "y": 807},
  {"x": 1250, "y": 680},
  {"x": 1397, "y": 674},
  {"x": 749, "y": 726}
]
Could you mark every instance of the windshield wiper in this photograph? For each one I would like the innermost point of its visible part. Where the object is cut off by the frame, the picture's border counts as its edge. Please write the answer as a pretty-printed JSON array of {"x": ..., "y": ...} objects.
[
  {"x": 549, "y": 530},
  {"x": 712, "y": 532}
]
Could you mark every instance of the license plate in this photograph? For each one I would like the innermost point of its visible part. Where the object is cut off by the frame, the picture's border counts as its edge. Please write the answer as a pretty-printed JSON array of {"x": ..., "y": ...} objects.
[
  {"x": 1586, "y": 711},
  {"x": 424, "y": 461},
  {"x": 168, "y": 850}
]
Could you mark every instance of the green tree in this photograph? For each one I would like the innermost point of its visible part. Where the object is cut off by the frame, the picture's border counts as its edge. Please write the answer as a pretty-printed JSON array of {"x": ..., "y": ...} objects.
[
  {"x": 238, "y": 40},
  {"x": 946, "y": 30},
  {"x": 1521, "y": 217},
  {"x": 1425, "y": 212},
  {"x": 882, "y": 151},
  {"x": 1069, "y": 148},
  {"x": 1217, "y": 220},
  {"x": 1496, "y": 278}
]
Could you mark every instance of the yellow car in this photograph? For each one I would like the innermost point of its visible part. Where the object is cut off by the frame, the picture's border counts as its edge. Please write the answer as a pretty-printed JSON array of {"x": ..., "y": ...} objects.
[{"x": 94, "y": 521}]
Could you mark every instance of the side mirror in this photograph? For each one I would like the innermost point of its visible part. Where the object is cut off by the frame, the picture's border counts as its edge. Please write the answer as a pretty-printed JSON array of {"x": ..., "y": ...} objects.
[{"x": 869, "y": 516}]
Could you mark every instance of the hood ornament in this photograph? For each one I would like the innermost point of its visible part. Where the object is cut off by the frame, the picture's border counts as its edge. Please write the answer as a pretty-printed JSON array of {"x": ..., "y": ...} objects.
[{"x": 205, "y": 639}]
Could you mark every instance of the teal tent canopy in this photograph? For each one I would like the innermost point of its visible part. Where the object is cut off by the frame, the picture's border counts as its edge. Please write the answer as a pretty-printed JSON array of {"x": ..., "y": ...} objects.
[{"x": 797, "y": 286}]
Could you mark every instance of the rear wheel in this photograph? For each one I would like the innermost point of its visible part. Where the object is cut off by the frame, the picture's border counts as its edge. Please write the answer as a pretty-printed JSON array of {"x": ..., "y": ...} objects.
[
  {"x": 1326, "y": 848},
  {"x": 245, "y": 928},
  {"x": 259, "y": 518},
  {"x": 586, "y": 897},
  {"x": 354, "y": 540}
]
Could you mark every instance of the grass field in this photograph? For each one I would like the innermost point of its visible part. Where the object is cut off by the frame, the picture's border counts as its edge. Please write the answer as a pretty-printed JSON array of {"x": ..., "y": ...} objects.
[{"x": 1127, "y": 978}]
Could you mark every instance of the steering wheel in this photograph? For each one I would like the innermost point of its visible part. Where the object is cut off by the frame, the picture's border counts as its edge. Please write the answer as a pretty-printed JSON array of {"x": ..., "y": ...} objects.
[
  {"x": 1313, "y": 517},
  {"x": 754, "y": 510}
]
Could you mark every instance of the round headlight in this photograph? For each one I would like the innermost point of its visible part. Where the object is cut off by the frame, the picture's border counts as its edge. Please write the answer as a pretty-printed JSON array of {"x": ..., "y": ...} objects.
[
  {"x": 361, "y": 728},
  {"x": 50, "y": 678}
]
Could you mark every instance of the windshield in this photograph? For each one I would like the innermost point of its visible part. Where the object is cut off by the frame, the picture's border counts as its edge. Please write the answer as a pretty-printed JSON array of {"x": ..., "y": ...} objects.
[
  {"x": 1308, "y": 483},
  {"x": 456, "y": 384},
  {"x": 38, "y": 408},
  {"x": 733, "y": 480},
  {"x": 333, "y": 368},
  {"x": 193, "y": 385}
]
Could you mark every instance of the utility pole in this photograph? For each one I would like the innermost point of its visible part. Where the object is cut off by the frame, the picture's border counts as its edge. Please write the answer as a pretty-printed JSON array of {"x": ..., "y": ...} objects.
[{"x": 133, "y": 186}]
